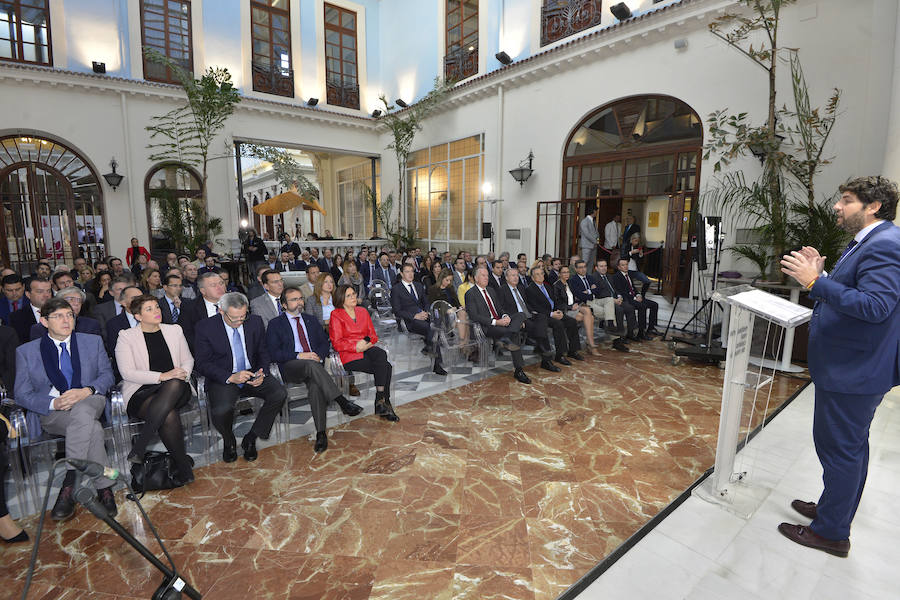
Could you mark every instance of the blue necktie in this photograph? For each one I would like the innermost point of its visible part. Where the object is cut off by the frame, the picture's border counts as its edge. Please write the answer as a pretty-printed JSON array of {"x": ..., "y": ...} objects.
[
  {"x": 546, "y": 295},
  {"x": 65, "y": 364},
  {"x": 237, "y": 349},
  {"x": 847, "y": 250},
  {"x": 175, "y": 313}
]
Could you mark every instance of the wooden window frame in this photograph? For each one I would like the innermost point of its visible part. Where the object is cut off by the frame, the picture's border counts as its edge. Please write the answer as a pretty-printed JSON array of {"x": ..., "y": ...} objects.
[
  {"x": 19, "y": 44},
  {"x": 169, "y": 78},
  {"x": 460, "y": 62},
  {"x": 348, "y": 97},
  {"x": 271, "y": 79}
]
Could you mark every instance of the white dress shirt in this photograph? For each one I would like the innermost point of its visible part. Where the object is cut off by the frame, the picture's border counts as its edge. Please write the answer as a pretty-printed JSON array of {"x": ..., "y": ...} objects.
[{"x": 54, "y": 393}]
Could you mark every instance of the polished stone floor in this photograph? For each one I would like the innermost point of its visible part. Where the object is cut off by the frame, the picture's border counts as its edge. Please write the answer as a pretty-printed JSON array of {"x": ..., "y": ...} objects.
[{"x": 489, "y": 490}]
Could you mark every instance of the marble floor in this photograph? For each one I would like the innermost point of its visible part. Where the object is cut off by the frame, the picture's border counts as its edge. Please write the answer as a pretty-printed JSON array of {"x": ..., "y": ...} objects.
[
  {"x": 702, "y": 552},
  {"x": 488, "y": 490}
]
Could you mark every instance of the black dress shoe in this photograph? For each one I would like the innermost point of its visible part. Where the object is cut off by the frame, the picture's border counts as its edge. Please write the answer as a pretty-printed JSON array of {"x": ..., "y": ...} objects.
[
  {"x": 807, "y": 537},
  {"x": 474, "y": 357},
  {"x": 249, "y": 446},
  {"x": 620, "y": 346},
  {"x": 521, "y": 377},
  {"x": 384, "y": 410},
  {"x": 636, "y": 337},
  {"x": 576, "y": 356},
  {"x": 548, "y": 365},
  {"x": 647, "y": 337},
  {"x": 108, "y": 500},
  {"x": 321, "y": 442},
  {"x": 807, "y": 509},
  {"x": 16, "y": 539},
  {"x": 229, "y": 453},
  {"x": 64, "y": 507},
  {"x": 563, "y": 361},
  {"x": 438, "y": 369},
  {"x": 354, "y": 391},
  {"x": 351, "y": 409}
]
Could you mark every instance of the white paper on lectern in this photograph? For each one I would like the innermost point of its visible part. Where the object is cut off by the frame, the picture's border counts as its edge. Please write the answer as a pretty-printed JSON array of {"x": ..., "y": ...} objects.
[{"x": 777, "y": 308}]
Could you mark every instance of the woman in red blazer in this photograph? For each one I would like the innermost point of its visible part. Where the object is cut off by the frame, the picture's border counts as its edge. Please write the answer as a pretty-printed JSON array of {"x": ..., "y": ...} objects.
[
  {"x": 353, "y": 336},
  {"x": 131, "y": 255}
]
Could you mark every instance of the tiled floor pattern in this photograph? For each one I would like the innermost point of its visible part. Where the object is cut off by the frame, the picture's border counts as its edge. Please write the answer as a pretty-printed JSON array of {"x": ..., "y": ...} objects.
[
  {"x": 701, "y": 552},
  {"x": 490, "y": 490}
]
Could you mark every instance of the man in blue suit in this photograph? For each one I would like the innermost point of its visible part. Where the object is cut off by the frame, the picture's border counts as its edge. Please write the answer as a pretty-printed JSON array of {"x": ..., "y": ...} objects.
[
  {"x": 409, "y": 303},
  {"x": 75, "y": 297},
  {"x": 854, "y": 353},
  {"x": 299, "y": 345},
  {"x": 231, "y": 353},
  {"x": 62, "y": 379},
  {"x": 384, "y": 271},
  {"x": 13, "y": 297}
]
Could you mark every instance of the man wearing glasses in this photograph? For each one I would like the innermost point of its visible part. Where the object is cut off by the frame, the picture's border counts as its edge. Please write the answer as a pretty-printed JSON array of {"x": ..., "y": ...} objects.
[
  {"x": 62, "y": 379},
  {"x": 231, "y": 353},
  {"x": 75, "y": 297},
  {"x": 171, "y": 303}
]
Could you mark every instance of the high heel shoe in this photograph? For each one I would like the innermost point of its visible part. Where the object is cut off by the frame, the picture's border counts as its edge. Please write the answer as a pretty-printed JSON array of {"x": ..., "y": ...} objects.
[
  {"x": 16, "y": 539},
  {"x": 593, "y": 350}
]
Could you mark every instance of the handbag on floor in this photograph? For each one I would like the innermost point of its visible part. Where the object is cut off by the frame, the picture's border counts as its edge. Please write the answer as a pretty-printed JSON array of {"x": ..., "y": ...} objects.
[{"x": 157, "y": 472}]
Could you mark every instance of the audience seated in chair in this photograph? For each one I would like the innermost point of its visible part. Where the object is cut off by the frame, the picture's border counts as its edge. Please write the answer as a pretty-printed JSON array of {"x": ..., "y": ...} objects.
[
  {"x": 62, "y": 379},
  {"x": 604, "y": 291},
  {"x": 483, "y": 307},
  {"x": 231, "y": 353},
  {"x": 37, "y": 290},
  {"x": 267, "y": 306},
  {"x": 171, "y": 303},
  {"x": 409, "y": 303},
  {"x": 603, "y": 307},
  {"x": 634, "y": 301},
  {"x": 155, "y": 363},
  {"x": 633, "y": 250},
  {"x": 564, "y": 328},
  {"x": 513, "y": 300},
  {"x": 566, "y": 301},
  {"x": 299, "y": 345},
  {"x": 353, "y": 336},
  {"x": 205, "y": 306},
  {"x": 75, "y": 297}
]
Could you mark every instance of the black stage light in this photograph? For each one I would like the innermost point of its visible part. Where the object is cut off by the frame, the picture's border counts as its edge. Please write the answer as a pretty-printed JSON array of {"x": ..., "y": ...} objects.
[
  {"x": 620, "y": 11},
  {"x": 503, "y": 57}
]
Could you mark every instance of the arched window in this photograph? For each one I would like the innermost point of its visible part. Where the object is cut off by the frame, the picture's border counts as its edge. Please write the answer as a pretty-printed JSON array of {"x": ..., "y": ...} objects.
[
  {"x": 52, "y": 204},
  {"x": 174, "y": 199}
]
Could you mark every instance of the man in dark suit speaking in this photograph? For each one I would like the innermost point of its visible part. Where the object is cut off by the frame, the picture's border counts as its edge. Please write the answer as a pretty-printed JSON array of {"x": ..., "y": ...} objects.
[{"x": 854, "y": 353}]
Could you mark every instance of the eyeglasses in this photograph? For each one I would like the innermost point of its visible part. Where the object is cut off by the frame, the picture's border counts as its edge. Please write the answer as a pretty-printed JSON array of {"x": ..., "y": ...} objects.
[{"x": 69, "y": 316}]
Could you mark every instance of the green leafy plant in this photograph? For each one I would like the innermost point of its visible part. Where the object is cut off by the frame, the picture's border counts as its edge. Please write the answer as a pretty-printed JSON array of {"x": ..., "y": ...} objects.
[
  {"x": 400, "y": 236},
  {"x": 285, "y": 167},
  {"x": 405, "y": 124},
  {"x": 186, "y": 134},
  {"x": 780, "y": 205}
]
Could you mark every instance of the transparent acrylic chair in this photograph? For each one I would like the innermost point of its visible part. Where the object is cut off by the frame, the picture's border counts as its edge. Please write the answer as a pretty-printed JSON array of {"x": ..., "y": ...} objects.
[{"x": 458, "y": 339}]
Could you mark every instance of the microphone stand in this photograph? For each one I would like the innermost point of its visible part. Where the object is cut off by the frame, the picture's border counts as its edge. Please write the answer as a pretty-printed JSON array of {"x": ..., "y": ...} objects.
[{"x": 172, "y": 586}]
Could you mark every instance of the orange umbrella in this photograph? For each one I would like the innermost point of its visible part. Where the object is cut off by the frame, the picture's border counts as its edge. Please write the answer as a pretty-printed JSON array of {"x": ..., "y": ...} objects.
[{"x": 285, "y": 202}]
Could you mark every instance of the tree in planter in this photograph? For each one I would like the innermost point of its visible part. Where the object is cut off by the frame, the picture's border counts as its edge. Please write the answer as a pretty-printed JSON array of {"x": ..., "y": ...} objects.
[
  {"x": 403, "y": 126},
  {"x": 186, "y": 134},
  {"x": 780, "y": 205}
]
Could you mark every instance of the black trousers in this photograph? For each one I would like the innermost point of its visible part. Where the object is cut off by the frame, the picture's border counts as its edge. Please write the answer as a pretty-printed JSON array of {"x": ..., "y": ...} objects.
[
  {"x": 642, "y": 309},
  {"x": 628, "y": 315},
  {"x": 222, "y": 397},
  {"x": 510, "y": 333},
  {"x": 374, "y": 361},
  {"x": 565, "y": 334},
  {"x": 424, "y": 329},
  {"x": 322, "y": 388},
  {"x": 536, "y": 327}
]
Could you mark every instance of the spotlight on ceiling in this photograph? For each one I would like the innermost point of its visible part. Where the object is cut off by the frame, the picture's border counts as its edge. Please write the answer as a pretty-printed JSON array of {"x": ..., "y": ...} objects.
[
  {"x": 99, "y": 67},
  {"x": 376, "y": 113},
  {"x": 401, "y": 103},
  {"x": 503, "y": 57},
  {"x": 312, "y": 101},
  {"x": 620, "y": 11}
]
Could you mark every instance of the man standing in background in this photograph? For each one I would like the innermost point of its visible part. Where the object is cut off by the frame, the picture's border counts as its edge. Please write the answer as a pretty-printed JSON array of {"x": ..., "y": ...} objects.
[{"x": 587, "y": 243}]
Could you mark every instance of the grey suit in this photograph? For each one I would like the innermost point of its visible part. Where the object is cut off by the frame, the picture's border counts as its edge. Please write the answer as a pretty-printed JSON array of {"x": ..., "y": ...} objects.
[
  {"x": 588, "y": 241},
  {"x": 264, "y": 306},
  {"x": 80, "y": 425}
]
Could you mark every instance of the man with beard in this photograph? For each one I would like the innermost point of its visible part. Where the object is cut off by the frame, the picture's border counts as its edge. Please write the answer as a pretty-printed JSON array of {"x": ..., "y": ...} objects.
[{"x": 854, "y": 353}]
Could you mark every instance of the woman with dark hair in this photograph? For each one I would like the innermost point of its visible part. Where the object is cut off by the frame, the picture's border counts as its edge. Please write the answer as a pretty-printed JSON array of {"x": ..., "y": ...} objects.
[
  {"x": 151, "y": 282},
  {"x": 425, "y": 271},
  {"x": 353, "y": 336},
  {"x": 101, "y": 287},
  {"x": 565, "y": 301},
  {"x": 433, "y": 276},
  {"x": 321, "y": 303},
  {"x": 155, "y": 364},
  {"x": 337, "y": 269},
  {"x": 352, "y": 278},
  {"x": 443, "y": 290}
]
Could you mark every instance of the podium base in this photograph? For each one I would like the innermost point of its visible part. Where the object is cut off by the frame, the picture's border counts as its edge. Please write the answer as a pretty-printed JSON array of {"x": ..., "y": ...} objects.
[
  {"x": 740, "y": 498},
  {"x": 768, "y": 363}
]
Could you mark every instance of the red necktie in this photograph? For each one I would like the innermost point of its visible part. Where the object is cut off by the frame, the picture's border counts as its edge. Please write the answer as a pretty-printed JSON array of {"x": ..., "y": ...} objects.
[
  {"x": 490, "y": 305},
  {"x": 16, "y": 305},
  {"x": 630, "y": 287},
  {"x": 304, "y": 343}
]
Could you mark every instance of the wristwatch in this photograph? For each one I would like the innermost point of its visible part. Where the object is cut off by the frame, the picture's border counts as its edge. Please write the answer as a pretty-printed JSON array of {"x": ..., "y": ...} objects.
[{"x": 93, "y": 389}]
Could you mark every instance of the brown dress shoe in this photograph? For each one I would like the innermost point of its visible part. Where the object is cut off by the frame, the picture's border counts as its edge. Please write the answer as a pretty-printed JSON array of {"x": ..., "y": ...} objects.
[
  {"x": 807, "y": 537},
  {"x": 354, "y": 391},
  {"x": 807, "y": 509}
]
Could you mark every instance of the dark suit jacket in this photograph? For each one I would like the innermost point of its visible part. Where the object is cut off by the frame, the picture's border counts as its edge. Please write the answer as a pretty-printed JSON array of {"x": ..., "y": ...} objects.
[
  {"x": 508, "y": 302},
  {"x": 324, "y": 267},
  {"x": 21, "y": 321},
  {"x": 6, "y": 307},
  {"x": 167, "y": 312},
  {"x": 626, "y": 248},
  {"x": 113, "y": 327},
  {"x": 538, "y": 301},
  {"x": 620, "y": 284},
  {"x": 82, "y": 325},
  {"x": 477, "y": 308},
  {"x": 404, "y": 305},
  {"x": 103, "y": 312},
  {"x": 492, "y": 281},
  {"x": 8, "y": 342},
  {"x": 366, "y": 269},
  {"x": 854, "y": 334},
  {"x": 280, "y": 338},
  {"x": 627, "y": 232},
  {"x": 552, "y": 276},
  {"x": 560, "y": 298},
  {"x": 296, "y": 265},
  {"x": 604, "y": 285},
  {"x": 213, "y": 356},
  {"x": 292, "y": 247},
  {"x": 192, "y": 312},
  {"x": 387, "y": 275},
  {"x": 581, "y": 293}
]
